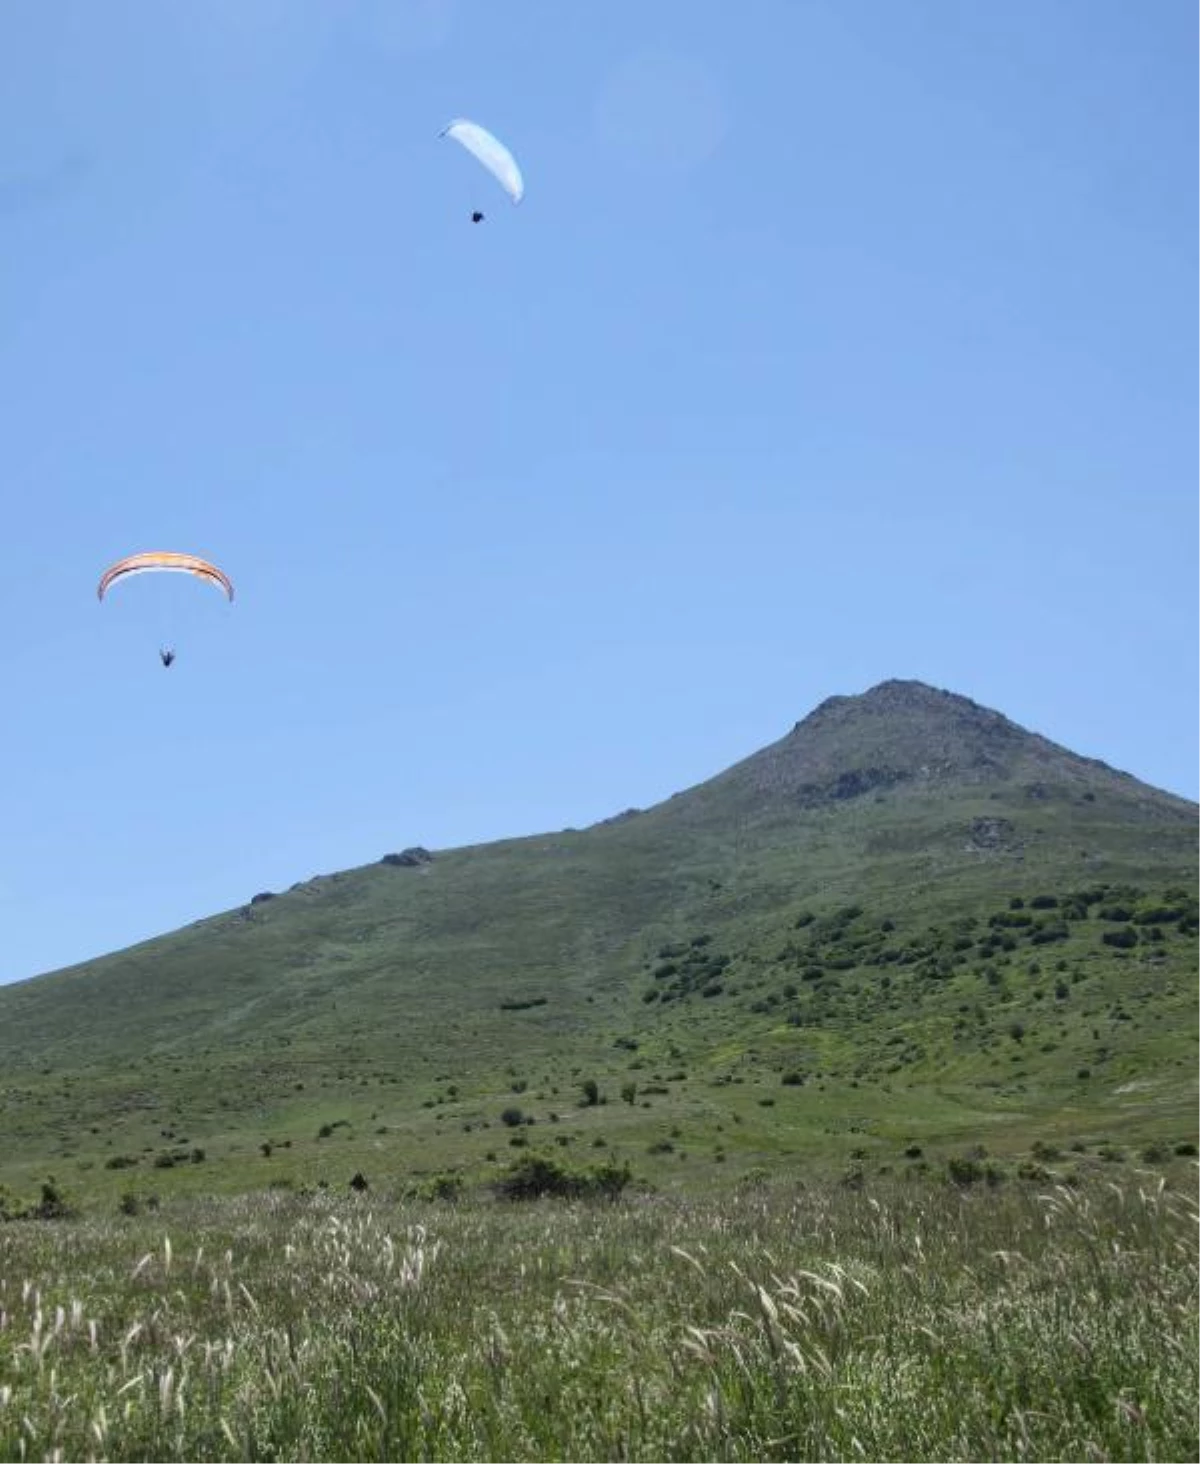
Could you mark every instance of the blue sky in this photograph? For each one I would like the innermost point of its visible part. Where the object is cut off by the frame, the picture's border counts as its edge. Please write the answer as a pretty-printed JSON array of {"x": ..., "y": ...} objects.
[{"x": 834, "y": 340}]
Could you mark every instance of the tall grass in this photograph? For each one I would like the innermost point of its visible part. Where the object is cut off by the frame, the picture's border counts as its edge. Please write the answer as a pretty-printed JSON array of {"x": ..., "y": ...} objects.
[{"x": 913, "y": 1322}]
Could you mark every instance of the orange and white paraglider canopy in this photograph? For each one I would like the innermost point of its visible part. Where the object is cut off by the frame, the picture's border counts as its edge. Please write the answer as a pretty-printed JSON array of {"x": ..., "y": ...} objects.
[{"x": 164, "y": 560}]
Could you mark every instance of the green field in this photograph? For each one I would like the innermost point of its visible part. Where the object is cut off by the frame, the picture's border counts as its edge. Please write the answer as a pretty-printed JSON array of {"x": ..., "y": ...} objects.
[{"x": 905, "y": 1319}]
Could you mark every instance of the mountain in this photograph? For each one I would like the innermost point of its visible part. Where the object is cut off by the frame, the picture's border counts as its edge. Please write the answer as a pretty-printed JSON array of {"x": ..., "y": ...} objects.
[{"x": 907, "y": 923}]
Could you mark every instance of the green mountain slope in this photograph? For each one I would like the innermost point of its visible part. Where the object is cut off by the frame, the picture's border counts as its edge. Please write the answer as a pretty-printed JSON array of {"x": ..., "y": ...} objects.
[{"x": 907, "y": 923}]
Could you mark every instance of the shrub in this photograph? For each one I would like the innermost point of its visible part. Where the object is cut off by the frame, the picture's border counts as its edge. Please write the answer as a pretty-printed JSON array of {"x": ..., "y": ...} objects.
[
  {"x": 1050, "y": 932},
  {"x": 445, "y": 1187},
  {"x": 1159, "y": 915},
  {"x": 1122, "y": 939},
  {"x": 964, "y": 1171},
  {"x": 535, "y": 1177},
  {"x": 53, "y": 1204},
  {"x": 512, "y": 1117}
]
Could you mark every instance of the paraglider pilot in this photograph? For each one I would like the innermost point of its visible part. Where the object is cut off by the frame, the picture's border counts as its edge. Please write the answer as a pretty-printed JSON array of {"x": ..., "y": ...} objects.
[
  {"x": 477, "y": 217},
  {"x": 166, "y": 655}
]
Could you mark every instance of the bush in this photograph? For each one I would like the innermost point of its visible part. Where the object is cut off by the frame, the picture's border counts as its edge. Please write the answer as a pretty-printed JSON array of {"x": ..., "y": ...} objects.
[
  {"x": 53, "y": 1205},
  {"x": 512, "y": 1117},
  {"x": 964, "y": 1171},
  {"x": 444, "y": 1187},
  {"x": 1159, "y": 915},
  {"x": 536, "y": 1177},
  {"x": 1048, "y": 933},
  {"x": 1122, "y": 939}
]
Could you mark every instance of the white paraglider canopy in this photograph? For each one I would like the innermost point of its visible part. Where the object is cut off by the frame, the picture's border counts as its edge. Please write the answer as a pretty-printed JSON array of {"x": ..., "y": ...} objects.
[{"x": 491, "y": 152}]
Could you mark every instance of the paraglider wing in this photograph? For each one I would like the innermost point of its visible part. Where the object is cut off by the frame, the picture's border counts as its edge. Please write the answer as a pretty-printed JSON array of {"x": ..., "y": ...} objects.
[
  {"x": 164, "y": 560},
  {"x": 491, "y": 152}
]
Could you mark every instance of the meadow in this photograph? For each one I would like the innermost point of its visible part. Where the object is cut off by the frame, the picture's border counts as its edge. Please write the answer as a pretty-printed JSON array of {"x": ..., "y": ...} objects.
[{"x": 900, "y": 1318}]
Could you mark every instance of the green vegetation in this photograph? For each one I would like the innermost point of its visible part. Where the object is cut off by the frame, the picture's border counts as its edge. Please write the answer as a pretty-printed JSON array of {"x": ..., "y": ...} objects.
[
  {"x": 265, "y": 1191},
  {"x": 910, "y": 1319},
  {"x": 894, "y": 927}
]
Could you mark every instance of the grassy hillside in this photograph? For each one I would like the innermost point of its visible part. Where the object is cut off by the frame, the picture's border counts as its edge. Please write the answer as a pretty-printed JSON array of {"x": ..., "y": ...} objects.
[{"x": 907, "y": 925}]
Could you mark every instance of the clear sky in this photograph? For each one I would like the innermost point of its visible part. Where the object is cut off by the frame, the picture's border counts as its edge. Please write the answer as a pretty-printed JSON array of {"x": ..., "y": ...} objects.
[{"x": 834, "y": 340}]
